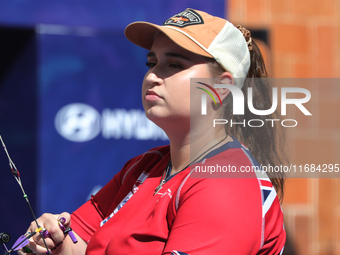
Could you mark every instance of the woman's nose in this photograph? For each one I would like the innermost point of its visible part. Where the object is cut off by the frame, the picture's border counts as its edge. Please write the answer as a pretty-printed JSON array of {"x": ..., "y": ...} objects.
[{"x": 153, "y": 78}]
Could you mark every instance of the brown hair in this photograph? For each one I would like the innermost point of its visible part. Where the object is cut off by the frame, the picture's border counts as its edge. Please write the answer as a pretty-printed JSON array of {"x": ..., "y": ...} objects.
[{"x": 265, "y": 143}]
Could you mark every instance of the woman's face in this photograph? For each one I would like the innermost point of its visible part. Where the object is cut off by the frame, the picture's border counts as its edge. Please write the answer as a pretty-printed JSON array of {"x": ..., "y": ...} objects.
[{"x": 166, "y": 86}]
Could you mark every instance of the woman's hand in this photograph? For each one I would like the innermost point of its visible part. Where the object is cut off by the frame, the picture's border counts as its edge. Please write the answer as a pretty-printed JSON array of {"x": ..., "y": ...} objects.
[{"x": 53, "y": 235}]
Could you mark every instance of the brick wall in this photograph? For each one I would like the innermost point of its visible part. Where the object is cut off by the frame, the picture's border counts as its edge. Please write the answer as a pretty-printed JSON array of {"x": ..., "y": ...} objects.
[{"x": 304, "y": 42}]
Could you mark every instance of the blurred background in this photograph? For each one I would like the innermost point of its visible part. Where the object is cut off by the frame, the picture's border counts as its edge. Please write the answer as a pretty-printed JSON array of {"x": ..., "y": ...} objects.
[{"x": 71, "y": 114}]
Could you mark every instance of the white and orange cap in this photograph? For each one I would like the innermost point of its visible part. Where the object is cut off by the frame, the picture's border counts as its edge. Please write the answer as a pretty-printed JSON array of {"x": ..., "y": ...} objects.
[{"x": 200, "y": 33}]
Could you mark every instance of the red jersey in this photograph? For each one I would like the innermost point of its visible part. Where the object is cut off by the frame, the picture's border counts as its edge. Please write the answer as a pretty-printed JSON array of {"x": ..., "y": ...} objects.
[{"x": 188, "y": 215}]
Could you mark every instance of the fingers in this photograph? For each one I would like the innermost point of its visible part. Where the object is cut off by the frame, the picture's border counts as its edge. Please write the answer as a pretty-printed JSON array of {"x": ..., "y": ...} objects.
[
  {"x": 36, "y": 248},
  {"x": 52, "y": 232},
  {"x": 21, "y": 252}
]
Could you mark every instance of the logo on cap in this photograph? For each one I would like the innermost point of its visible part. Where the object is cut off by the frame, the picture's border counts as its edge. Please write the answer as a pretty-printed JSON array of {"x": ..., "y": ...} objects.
[{"x": 185, "y": 18}]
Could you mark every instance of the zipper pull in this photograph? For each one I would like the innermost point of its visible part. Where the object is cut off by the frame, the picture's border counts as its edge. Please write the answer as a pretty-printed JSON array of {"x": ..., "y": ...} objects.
[{"x": 159, "y": 187}]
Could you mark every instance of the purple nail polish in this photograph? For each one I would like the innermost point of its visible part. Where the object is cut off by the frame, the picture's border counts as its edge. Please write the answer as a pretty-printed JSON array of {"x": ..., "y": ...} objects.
[
  {"x": 45, "y": 233},
  {"x": 62, "y": 220}
]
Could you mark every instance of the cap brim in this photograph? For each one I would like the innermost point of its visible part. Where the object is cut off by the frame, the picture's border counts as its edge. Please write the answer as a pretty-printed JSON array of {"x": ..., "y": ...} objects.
[{"x": 143, "y": 34}]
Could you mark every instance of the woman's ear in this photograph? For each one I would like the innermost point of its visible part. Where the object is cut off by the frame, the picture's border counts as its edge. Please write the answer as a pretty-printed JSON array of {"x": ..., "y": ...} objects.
[{"x": 225, "y": 78}]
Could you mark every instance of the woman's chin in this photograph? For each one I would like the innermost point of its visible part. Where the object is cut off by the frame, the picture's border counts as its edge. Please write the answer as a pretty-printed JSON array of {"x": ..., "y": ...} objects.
[{"x": 158, "y": 119}]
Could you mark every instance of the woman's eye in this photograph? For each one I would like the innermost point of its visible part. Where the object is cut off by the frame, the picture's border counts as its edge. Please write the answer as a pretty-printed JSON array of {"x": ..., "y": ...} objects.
[
  {"x": 150, "y": 64},
  {"x": 170, "y": 65},
  {"x": 176, "y": 65}
]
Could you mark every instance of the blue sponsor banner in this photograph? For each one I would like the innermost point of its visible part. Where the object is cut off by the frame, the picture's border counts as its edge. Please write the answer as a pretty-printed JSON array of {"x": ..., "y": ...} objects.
[
  {"x": 92, "y": 120},
  {"x": 70, "y": 102}
]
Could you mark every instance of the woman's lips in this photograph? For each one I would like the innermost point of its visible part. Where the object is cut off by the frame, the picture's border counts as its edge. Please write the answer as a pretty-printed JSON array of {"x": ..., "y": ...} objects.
[{"x": 152, "y": 96}]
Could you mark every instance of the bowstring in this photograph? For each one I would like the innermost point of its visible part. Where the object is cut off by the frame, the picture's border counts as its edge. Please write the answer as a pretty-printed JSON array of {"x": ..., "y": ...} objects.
[{"x": 16, "y": 175}]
